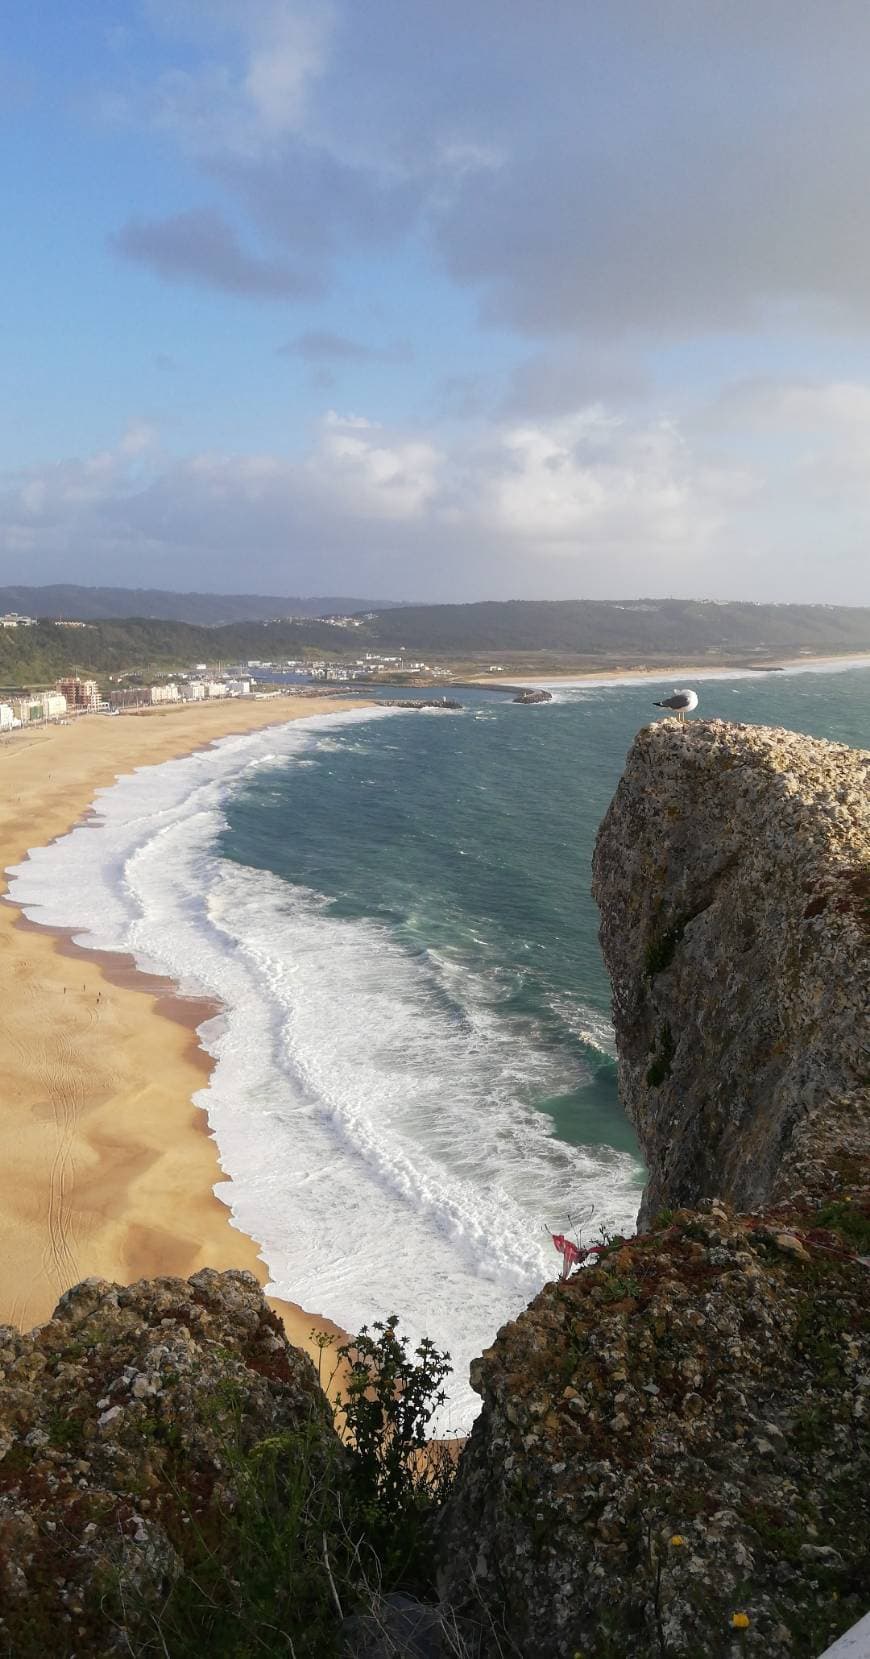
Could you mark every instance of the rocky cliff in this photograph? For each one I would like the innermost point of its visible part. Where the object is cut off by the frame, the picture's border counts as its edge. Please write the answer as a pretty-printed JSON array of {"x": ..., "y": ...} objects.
[
  {"x": 125, "y": 1427},
  {"x": 673, "y": 1456},
  {"x": 672, "y": 1459},
  {"x": 732, "y": 873}
]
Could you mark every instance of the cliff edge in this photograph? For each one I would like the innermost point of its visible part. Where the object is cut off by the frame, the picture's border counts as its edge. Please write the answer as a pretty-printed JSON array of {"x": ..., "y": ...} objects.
[
  {"x": 732, "y": 872},
  {"x": 127, "y": 1423},
  {"x": 673, "y": 1460}
]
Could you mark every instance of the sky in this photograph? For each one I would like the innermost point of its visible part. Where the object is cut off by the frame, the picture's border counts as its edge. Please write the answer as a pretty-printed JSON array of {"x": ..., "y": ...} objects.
[{"x": 415, "y": 299}]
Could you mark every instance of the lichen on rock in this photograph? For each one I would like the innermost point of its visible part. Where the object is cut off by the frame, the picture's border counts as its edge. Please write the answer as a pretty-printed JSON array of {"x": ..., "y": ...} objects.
[
  {"x": 668, "y": 1439},
  {"x": 673, "y": 1456},
  {"x": 119, "y": 1423}
]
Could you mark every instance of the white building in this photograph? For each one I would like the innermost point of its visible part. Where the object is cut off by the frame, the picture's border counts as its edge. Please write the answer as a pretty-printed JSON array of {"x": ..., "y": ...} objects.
[
  {"x": 13, "y": 620},
  {"x": 215, "y": 688},
  {"x": 237, "y": 688},
  {"x": 192, "y": 691},
  {"x": 164, "y": 693},
  {"x": 25, "y": 709},
  {"x": 7, "y": 718}
]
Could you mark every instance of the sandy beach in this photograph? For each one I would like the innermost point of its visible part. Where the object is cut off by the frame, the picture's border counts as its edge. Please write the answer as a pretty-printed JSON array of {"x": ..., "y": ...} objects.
[
  {"x": 106, "y": 1166},
  {"x": 598, "y": 675}
]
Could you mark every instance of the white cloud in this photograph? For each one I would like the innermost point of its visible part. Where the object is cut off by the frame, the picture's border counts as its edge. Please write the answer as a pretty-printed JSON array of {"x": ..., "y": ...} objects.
[
  {"x": 254, "y": 65},
  {"x": 590, "y": 503},
  {"x": 333, "y": 418},
  {"x": 286, "y": 55}
]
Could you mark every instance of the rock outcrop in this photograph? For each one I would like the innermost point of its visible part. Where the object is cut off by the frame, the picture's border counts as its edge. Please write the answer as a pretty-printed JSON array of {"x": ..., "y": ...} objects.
[
  {"x": 732, "y": 872},
  {"x": 673, "y": 1457},
  {"x": 121, "y": 1424}
]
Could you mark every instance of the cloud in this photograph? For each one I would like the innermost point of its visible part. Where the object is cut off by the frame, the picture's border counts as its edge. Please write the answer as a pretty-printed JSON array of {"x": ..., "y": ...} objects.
[
  {"x": 586, "y": 504},
  {"x": 680, "y": 232},
  {"x": 285, "y": 56},
  {"x": 734, "y": 500},
  {"x": 317, "y": 203},
  {"x": 603, "y": 172},
  {"x": 818, "y": 433},
  {"x": 708, "y": 173},
  {"x": 321, "y": 346},
  {"x": 256, "y": 90},
  {"x": 559, "y": 380},
  {"x": 200, "y": 247}
]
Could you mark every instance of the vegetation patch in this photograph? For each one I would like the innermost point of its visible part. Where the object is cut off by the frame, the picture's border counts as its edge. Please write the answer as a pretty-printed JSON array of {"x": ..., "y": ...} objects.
[
  {"x": 661, "y": 949},
  {"x": 850, "y": 1220},
  {"x": 663, "y": 1055}
]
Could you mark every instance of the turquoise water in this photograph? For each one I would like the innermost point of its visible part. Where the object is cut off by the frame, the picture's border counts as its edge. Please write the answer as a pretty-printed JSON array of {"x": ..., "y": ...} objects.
[
  {"x": 469, "y": 838},
  {"x": 414, "y": 1083}
]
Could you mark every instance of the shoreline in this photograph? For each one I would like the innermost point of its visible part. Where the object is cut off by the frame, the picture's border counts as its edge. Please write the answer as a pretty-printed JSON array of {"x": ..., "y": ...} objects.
[
  {"x": 109, "y": 1167},
  {"x": 673, "y": 672}
]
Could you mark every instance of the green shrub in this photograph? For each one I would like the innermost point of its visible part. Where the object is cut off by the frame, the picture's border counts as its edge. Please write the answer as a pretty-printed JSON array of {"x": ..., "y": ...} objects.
[
  {"x": 396, "y": 1476},
  {"x": 847, "y": 1219},
  {"x": 314, "y": 1528}
]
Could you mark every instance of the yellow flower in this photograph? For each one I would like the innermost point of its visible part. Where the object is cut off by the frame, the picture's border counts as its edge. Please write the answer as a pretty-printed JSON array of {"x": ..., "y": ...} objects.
[
  {"x": 740, "y": 1621},
  {"x": 677, "y": 1540}
]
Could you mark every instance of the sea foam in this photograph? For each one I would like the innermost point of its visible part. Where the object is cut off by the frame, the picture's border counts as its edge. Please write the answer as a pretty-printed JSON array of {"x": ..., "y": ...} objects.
[{"x": 367, "y": 1103}]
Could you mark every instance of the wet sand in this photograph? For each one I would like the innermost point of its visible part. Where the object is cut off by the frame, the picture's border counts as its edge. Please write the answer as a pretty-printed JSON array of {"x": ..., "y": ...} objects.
[{"x": 106, "y": 1166}]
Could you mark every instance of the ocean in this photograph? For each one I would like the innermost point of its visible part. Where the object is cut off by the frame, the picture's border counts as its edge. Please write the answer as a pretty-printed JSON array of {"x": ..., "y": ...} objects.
[{"x": 414, "y": 1067}]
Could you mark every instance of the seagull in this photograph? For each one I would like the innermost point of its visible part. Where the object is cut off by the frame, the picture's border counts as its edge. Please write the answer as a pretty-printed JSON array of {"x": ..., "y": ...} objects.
[{"x": 680, "y": 703}]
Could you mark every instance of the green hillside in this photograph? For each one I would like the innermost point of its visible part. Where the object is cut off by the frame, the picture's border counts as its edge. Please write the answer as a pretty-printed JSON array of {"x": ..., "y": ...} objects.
[
  {"x": 34, "y": 656},
  {"x": 656, "y": 626},
  {"x": 207, "y": 610},
  {"x": 631, "y": 631}
]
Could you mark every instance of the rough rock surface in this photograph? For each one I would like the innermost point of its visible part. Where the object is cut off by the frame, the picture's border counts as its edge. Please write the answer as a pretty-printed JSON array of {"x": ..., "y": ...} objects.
[
  {"x": 732, "y": 872},
  {"x": 115, "y": 1421},
  {"x": 673, "y": 1458}
]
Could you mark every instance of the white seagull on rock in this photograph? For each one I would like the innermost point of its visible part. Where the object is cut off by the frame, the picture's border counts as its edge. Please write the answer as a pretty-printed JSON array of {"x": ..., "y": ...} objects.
[{"x": 680, "y": 703}]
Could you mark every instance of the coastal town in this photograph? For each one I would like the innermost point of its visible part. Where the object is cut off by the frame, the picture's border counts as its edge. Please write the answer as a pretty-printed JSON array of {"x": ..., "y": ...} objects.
[
  {"x": 72, "y": 697},
  {"x": 74, "y": 694}
]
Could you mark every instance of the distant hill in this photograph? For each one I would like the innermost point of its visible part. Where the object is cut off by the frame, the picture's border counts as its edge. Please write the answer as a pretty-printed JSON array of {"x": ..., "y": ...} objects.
[
  {"x": 535, "y": 634},
  {"x": 207, "y": 610},
  {"x": 38, "y": 655},
  {"x": 585, "y": 627}
]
